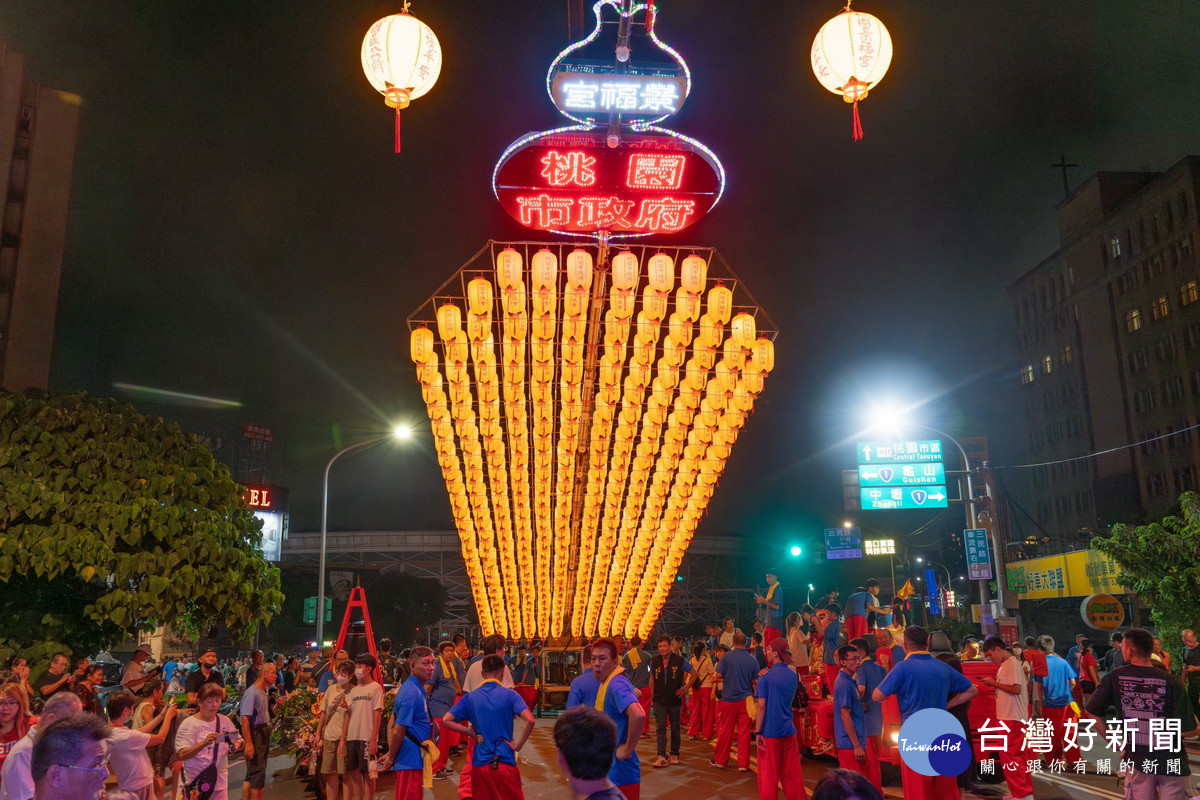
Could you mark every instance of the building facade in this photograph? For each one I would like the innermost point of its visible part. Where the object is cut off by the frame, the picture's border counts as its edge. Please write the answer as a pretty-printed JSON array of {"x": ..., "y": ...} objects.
[
  {"x": 38, "y": 128},
  {"x": 1108, "y": 333}
]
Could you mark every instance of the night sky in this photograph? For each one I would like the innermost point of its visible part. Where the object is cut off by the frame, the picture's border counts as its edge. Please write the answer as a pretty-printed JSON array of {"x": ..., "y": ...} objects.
[{"x": 241, "y": 229}]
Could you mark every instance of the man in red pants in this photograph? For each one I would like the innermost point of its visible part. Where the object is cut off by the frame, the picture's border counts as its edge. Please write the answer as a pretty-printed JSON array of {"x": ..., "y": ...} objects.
[
  {"x": 410, "y": 727},
  {"x": 920, "y": 681},
  {"x": 856, "y": 751},
  {"x": 775, "y": 734},
  {"x": 489, "y": 711},
  {"x": 735, "y": 677},
  {"x": 1012, "y": 709}
]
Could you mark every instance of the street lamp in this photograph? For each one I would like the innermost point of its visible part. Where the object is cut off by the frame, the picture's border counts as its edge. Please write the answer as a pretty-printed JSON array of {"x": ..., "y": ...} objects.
[
  {"x": 921, "y": 560},
  {"x": 808, "y": 600},
  {"x": 400, "y": 432}
]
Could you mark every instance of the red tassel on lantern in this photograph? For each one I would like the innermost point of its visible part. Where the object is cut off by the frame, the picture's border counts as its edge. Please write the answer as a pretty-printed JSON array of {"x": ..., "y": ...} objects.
[
  {"x": 398, "y": 130},
  {"x": 858, "y": 133}
]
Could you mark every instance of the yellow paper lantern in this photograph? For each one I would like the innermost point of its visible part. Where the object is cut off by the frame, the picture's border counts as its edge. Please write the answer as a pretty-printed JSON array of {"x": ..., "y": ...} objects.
[
  {"x": 402, "y": 59},
  {"x": 850, "y": 55}
]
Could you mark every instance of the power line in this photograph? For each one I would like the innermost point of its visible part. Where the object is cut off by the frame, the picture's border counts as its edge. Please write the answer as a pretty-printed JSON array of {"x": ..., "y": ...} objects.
[{"x": 1100, "y": 453}]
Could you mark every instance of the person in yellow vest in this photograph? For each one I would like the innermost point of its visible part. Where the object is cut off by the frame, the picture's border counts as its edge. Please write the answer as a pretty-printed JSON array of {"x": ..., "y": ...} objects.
[{"x": 606, "y": 688}]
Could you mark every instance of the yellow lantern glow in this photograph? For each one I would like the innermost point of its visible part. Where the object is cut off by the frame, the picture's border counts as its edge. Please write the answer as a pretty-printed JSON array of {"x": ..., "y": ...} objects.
[
  {"x": 850, "y": 55},
  {"x": 402, "y": 59}
]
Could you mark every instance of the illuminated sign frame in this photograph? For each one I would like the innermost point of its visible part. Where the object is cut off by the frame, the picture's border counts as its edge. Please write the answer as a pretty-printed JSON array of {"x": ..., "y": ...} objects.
[
  {"x": 631, "y": 94},
  {"x": 569, "y": 181}
]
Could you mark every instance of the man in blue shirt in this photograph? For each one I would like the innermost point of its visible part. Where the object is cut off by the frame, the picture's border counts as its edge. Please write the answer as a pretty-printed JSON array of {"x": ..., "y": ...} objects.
[
  {"x": 772, "y": 604},
  {"x": 756, "y": 649},
  {"x": 920, "y": 681},
  {"x": 490, "y": 709},
  {"x": 858, "y": 605},
  {"x": 868, "y": 677},
  {"x": 605, "y": 688},
  {"x": 1073, "y": 653},
  {"x": 636, "y": 663},
  {"x": 444, "y": 688},
  {"x": 829, "y": 627},
  {"x": 410, "y": 727},
  {"x": 775, "y": 732},
  {"x": 1057, "y": 693},
  {"x": 735, "y": 678},
  {"x": 857, "y": 751}
]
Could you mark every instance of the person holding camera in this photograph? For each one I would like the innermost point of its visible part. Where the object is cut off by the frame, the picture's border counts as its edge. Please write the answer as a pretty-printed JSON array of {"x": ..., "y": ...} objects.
[{"x": 204, "y": 742}]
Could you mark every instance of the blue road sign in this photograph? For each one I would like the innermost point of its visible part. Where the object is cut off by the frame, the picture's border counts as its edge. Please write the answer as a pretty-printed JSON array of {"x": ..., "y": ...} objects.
[
  {"x": 898, "y": 497},
  {"x": 930, "y": 473},
  {"x": 843, "y": 543},
  {"x": 899, "y": 452}
]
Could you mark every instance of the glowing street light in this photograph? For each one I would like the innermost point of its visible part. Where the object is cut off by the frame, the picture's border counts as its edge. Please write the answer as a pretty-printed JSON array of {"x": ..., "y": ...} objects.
[{"x": 795, "y": 551}]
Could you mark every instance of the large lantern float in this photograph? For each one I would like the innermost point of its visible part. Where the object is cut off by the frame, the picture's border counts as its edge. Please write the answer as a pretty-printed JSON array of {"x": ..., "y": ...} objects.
[
  {"x": 585, "y": 396},
  {"x": 850, "y": 55}
]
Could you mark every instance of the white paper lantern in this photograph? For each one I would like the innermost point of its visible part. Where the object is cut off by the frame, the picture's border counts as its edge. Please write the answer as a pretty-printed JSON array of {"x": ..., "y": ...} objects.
[
  {"x": 402, "y": 59},
  {"x": 850, "y": 55}
]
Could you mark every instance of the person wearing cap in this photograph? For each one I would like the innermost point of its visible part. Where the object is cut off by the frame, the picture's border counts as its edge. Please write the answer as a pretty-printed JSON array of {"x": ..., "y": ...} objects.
[
  {"x": 772, "y": 604},
  {"x": 206, "y": 672},
  {"x": 136, "y": 675},
  {"x": 774, "y": 731},
  {"x": 856, "y": 750},
  {"x": 921, "y": 681}
]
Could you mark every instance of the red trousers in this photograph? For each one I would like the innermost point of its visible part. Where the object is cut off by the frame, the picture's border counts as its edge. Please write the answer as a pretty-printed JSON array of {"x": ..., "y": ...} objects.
[
  {"x": 465, "y": 776},
  {"x": 1014, "y": 760},
  {"x": 771, "y": 634},
  {"x": 779, "y": 763},
  {"x": 632, "y": 791},
  {"x": 408, "y": 784},
  {"x": 868, "y": 768},
  {"x": 501, "y": 783},
  {"x": 1058, "y": 718},
  {"x": 856, "y": 627},
  {"x": 926, "y": 787},
  {"x": 702, "y": 713},
  {"x": 645, "y": 697},
  {"x": 446, "y": 739},
  {"x": 732, "y": 718},
  {"x": 831, "y": 673}
]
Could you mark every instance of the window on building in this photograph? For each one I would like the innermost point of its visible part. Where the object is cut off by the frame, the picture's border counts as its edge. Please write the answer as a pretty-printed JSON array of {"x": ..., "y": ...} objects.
[
  {"x": 1114, "y": 247},
  {"x": 1196, "y": 383},
  {"x": 1133, "y": 320},
  {"x": 1047, "y": 365},
  {"x": 1138, "y": 360},
  {"x": 1183, "y": 205},
  {"x": 1172, "y": 391},
  {"x": 1066, "y": 356},
  {"x": 1185, "y": 479},
  {"x": 1165, "y": 349},
  {"x": 1188, "y": 293},
  {"x": 1170, "y": 215},
  {"x": 1027, "y": 373},
  {"x": 1151, "y": 444},
  {"x": 1160, "y": 308},
  {"x": 1156, "y": 485},
  {"x": 1185, "y": 249}
]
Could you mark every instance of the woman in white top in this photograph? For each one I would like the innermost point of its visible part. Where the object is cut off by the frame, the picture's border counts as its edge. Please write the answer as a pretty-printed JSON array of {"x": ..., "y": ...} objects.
[
  {"x": 704, "y": 706},
  {"x": 194, "y": 744},
  {"x": 797, "y": 642}
]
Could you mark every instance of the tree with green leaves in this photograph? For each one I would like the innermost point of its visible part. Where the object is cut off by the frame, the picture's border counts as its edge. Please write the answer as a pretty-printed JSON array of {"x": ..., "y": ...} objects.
[
  {"x": 1161, "y": 565},
  {"x": 111, "y": 523}
]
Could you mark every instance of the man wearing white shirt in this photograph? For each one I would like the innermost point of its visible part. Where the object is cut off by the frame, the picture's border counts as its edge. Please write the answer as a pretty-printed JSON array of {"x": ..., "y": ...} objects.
[
  {"x": 16, "y": 779},
  {"x": 1012, "y": 711},
  {"x": 127, "y": 754}
]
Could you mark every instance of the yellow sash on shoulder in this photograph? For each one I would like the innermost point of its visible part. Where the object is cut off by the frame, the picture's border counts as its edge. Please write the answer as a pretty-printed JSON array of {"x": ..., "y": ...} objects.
[
  {"x": 771, "y": 590},
  {"x": 600, "y": 695}
]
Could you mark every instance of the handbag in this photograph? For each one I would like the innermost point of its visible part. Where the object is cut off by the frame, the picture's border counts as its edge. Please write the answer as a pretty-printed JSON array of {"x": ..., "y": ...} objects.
[{"x": 205, "y": 783}]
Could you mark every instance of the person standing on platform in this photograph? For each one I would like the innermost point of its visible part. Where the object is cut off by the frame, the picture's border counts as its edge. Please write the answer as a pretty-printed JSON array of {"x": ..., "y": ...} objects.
[
  {"x": 920, "y": 681},
  {"x": 772, "y": 603},
  {"x": 636, "y": 663},
  {"x": 868, "y": 677},
  {"x": 858, "y": 605},
  {"x": 410, "y": 726},
  {"x": 736, "y": 671},
  {"x": 775, "y": 732},
  {"x": 671, "y": 677},
  {"x": 444, "y": 689},
  {"x": 605, "y": 688},
  {"x": 489, "y": 710},
  {"x": 1012, "y": 710},
  {"x": 855, "y": 749}
]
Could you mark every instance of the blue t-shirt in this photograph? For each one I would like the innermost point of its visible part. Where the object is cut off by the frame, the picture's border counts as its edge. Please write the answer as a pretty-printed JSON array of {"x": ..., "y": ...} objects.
[
  {"x": 620, "y": 696},
  {"x": 778, "y": 686},
  {"x": 410, "y": 711},
  {"x": 738, "y": 668},
  {"x": 774, "y": 616},
  {"x": 856, "y": 604},
  {"x": 845, "y": 695},
  {"x": 490, "y": 709},
  {"x": 829, "y": 653},
  {"x": 1056, "y": 686},
  {"x": 327, "y": 677},
  {"x": 254, "y": 706},
  {"x": 169, "y": 670},
  {"x": 921, "y": 681},
  {"x": 443, "y": 694},
  {"x": 639, "y": 677},
  {"x": 1073, "y": 658},
  {"x": 870, "y": 675},
  {"x": 897, "y": 654}
]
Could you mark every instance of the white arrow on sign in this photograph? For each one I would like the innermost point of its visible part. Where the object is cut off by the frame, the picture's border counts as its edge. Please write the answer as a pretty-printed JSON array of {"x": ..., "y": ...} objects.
[
  {"x": 870, "y": 475},
  {"x": 866, "y": 452},
  {"x": 938, "y": 496}
]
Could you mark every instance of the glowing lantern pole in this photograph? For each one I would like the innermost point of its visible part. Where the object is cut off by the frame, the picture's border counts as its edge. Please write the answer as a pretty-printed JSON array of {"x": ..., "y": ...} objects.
[
  {"x": 850, "y": 55},
  {"x": 402, "y": 59},
  {"x": 581, "y": 452}
]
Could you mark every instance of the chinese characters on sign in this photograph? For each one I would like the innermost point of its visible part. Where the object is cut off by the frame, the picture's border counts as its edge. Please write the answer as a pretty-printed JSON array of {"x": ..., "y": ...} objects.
[
  {"x": 924, "y": 450},
  {"x": 1078, "y": 574},
  {"x": 875, "y": 499},
  {"x": 881, "y": 547},
  {"x": 647, "y": 95},
  {"x": 258, "y": 433},
  {"x": 922, "y": 474},
  {"x": 898, "y": 475},
  {"x": 843, "y": 543},
  {"x": 979, "y": 554}
]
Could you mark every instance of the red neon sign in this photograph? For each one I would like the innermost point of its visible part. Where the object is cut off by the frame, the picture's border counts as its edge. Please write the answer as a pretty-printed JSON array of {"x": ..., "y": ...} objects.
[
  {"x": 574, "y": 182},
  {"x": 259, "y": 497}
]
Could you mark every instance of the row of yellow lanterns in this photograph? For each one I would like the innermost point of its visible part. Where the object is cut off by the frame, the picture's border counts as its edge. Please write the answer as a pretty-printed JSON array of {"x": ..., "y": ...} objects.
[{"x": 693, "y": 408}]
